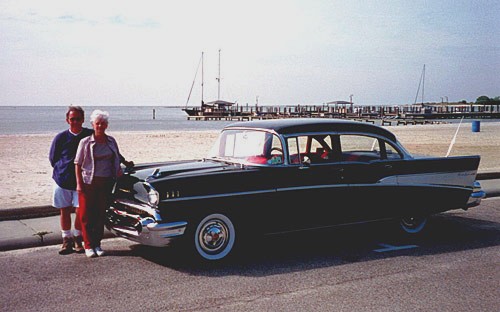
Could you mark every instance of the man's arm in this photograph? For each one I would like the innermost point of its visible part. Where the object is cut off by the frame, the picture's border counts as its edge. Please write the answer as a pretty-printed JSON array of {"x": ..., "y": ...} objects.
[{"x": 54, "y": 153}]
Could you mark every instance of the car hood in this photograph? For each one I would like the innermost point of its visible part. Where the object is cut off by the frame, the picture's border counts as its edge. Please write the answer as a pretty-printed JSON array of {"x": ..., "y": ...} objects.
[{"x": 163, "y": 170}]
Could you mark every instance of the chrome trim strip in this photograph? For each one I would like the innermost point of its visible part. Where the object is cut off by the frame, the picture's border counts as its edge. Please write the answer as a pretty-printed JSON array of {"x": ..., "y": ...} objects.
[
  {"x": 311, "y": 187},
  {"x": 383, "y": 182},
  {"x": 436, "y": 186},
  {"x": 217, "y": 195}
]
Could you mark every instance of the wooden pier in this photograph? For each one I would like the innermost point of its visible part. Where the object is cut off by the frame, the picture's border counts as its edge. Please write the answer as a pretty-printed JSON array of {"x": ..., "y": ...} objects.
[
  {"x": 380, "y": 114},
  {"x": 228, "y": 118}
]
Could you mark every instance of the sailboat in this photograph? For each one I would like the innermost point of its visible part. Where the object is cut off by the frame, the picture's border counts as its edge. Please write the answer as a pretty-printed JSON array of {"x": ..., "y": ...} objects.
[
  {"x": 421, "y": 82},
  {"x": 214, "y": 108},
  {"x": 427, "y": 108}
]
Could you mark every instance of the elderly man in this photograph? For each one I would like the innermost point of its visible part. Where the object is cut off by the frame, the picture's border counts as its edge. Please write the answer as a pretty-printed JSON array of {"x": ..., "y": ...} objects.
[{"x": 65, "y": 198}]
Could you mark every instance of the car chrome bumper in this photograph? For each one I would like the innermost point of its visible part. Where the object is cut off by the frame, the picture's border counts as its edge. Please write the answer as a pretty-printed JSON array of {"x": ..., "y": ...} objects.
[
  {"x": 144, "y": 230},
  {"x": 476, "y": 196}
]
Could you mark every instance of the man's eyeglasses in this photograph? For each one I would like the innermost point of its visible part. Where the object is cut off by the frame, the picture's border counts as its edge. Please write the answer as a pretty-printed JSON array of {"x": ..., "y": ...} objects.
[{"x": 75, "y": 119}]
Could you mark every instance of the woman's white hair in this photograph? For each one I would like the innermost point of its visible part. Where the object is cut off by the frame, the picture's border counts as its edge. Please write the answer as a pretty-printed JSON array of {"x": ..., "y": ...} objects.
[{"x": 99, "y": 114}]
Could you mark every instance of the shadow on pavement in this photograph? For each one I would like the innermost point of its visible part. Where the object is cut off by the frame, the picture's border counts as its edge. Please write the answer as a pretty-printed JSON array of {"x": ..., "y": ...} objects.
[{"x": 309, "y": 250}]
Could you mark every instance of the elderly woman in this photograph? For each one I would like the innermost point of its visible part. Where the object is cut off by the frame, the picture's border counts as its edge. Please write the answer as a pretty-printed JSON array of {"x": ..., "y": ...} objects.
[{"x": 97, "y": 165}]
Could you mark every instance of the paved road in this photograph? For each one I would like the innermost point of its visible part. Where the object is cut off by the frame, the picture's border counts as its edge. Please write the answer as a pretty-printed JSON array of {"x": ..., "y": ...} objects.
[{"x": 455, "y": 266}]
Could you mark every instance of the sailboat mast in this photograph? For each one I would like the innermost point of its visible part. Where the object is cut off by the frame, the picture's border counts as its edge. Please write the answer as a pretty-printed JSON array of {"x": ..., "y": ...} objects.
[
  {"x": 202, "y": 79},
  {"x": 423, "y": 84},
  {"x": 218, "y": 80},
  {"x": 194, "y": 80}
]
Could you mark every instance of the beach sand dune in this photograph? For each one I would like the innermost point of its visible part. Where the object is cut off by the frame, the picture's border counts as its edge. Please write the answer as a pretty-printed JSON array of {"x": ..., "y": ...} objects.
[{"x": 26, "y": 173}]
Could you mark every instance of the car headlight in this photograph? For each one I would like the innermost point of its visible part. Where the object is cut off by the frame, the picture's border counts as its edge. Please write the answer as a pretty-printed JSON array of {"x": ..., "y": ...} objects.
[
  {"x": 153, "y": 197},
  {"x": 146, "y": 193}
]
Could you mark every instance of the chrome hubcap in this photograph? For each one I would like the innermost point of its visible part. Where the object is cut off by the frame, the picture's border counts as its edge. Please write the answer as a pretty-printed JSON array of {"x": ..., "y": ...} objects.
[{"x": 214, "y": 236}]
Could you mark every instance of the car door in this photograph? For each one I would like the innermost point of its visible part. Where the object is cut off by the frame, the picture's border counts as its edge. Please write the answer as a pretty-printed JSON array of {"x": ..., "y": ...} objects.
[
  {"x": 310, "y": 187},
  {"x": 370, "y": 177}
]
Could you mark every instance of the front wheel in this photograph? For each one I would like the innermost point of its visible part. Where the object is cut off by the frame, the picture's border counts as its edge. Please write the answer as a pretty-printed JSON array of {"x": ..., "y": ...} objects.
[
  {"x": 413, "y": 224},
  {"x": 214, "y": 237}
]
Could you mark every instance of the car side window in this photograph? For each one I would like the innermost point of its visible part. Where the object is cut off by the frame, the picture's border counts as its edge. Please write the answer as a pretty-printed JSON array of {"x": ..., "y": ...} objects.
[
  {"x": 294, "y": 150},
  {"x": 275, "y": 151},
  {"x": 360, "y": 148},
  {"x": 314, "y": 149},
  {"x": 299, "y": 149},
  {"x": 391, "y": 152}
]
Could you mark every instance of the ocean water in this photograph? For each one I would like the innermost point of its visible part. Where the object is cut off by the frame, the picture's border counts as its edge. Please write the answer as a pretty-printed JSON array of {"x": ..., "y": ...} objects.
[{"x": 52, "y": 119}]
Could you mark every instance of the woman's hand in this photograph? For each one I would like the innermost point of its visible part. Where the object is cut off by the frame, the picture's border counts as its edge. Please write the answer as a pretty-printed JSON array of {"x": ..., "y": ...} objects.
[{"x": 128, "y": 164}]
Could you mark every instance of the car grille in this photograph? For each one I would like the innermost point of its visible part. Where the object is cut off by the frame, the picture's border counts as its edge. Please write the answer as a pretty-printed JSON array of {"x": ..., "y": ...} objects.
[{"x": 133, "y": 208}]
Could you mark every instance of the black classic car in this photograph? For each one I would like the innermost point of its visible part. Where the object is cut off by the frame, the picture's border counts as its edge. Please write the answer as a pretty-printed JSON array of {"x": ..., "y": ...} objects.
[{"x": 277, "y": 176}]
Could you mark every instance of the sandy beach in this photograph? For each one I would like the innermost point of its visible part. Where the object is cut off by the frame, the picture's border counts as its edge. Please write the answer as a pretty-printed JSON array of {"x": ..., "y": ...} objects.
[{"x": 25, "y": 171}]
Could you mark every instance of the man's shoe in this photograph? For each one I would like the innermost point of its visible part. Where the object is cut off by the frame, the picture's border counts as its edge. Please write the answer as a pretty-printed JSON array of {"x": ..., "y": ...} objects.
[
  {"x": 79, "y": 244},
  {"x": 67, "y": 246},
  {"x": 90, "y": 253},
  {"x": 99, "y": 251}
]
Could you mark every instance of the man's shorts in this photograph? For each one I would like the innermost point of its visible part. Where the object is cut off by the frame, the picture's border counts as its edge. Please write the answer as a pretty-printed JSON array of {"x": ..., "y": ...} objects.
[{"x": 63, "y": 198}]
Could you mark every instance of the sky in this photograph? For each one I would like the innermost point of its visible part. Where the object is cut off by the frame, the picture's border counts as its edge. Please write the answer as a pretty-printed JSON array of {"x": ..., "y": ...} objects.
[{"x": 271, "y": 52}]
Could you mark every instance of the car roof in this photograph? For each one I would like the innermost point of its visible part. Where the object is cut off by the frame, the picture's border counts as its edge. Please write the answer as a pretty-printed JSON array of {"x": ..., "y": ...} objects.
[{"x": 308, "y": 125}]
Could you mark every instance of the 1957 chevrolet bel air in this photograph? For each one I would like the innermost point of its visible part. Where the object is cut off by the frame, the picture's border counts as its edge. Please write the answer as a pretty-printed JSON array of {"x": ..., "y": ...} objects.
[{"x": 278, "y": 176}]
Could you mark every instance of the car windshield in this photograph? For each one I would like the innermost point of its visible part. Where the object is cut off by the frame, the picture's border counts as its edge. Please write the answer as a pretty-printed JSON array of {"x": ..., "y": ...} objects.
[{"x": 248, "y": 147}]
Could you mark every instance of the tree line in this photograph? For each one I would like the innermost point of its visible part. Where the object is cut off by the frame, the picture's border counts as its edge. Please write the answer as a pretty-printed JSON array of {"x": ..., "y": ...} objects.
[{"x": 483, "y": 99}]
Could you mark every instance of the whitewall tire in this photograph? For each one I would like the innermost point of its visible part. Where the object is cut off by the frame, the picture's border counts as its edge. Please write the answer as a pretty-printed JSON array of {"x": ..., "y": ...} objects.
[{"x": 214, "y": 237}]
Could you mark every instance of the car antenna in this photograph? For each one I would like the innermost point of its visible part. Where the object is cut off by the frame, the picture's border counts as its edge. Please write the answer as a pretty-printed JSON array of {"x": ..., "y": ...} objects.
[{"x": 454, "y": 138}]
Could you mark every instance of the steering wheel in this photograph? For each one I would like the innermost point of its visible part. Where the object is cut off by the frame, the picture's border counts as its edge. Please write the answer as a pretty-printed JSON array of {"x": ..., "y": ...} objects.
[{"x": 276, "y": 149}]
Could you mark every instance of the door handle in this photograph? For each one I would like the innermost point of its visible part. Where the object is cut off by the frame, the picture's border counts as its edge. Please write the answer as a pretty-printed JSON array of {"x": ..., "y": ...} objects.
[{"x": 388, "y": 166}]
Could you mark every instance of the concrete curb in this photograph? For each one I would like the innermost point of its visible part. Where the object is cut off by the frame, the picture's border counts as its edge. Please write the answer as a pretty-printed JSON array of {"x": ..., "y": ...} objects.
[
  {"x": 35, "y": 232},
  {"x": 28, "y": 213}
]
